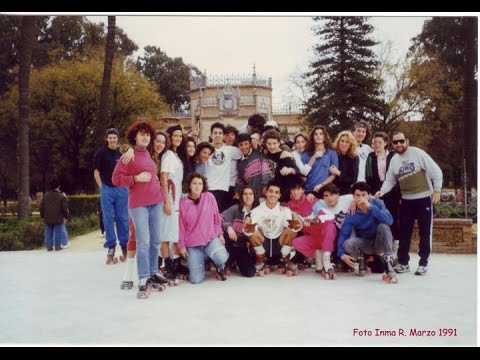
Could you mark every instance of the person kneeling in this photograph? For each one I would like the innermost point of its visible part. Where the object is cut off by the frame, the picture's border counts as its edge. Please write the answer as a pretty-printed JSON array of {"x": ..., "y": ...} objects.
[{"x": 201, "y": 230}]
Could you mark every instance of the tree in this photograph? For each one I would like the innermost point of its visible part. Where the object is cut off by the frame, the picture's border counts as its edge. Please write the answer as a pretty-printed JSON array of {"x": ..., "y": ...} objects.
[
  {"x": 453, "y": 41},
  {"x": 107, "y": 74},
  {"x": 342, "y": 78},
  {"x": 64, "y": 101},
  {"x": 401, "y": 103},
  {"x": 172, "y": 76},
  {"x": 28, "y": 32},
  {"x": 59, "y": 38}
]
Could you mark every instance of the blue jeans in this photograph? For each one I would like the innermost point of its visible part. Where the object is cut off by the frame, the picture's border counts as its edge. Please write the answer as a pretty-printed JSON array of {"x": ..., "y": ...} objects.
[
  {"x": 146, "y": 220},
  {"x": 53, "y": 236},
  {"x": 64, "y": 234},
  {"x": 114, "y": 202},
  {"x": 196, "y": 259}
]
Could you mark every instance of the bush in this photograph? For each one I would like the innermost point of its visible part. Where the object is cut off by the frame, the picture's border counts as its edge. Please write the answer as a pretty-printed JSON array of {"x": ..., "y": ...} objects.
[
  {"x": 83, "y": 205},
  {"x": 29, "y": 234}
]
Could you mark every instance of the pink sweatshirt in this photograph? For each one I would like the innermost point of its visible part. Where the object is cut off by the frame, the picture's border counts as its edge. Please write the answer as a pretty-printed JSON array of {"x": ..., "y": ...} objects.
[
  {"x": 140, "y": 193},
  {"x": 199, "y": 224},
  {"x": 302, "y": 207}
]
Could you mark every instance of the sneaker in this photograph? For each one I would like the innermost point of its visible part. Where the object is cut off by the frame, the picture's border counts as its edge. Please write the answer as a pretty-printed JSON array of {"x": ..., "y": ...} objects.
[
  {"x": 66, "y": 246},
  {"x": 400, "y": 268},
  {"x": 421, "y": 270}
]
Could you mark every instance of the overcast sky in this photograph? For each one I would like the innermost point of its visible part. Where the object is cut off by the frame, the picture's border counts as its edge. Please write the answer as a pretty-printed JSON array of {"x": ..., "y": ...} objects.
[{"x": 232, "y": 44}]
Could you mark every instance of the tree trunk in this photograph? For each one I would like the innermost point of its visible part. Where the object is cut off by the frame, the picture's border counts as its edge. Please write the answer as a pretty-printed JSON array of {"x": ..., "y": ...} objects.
[
  {"x": 25, "y": 61},
  {"x": 107, "y": 75},
  {"x": 470, "y": 101}
]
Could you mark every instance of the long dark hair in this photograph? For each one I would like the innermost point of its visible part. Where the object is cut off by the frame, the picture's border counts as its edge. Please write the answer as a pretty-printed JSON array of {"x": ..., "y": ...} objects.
[{"x": 256, "y": 202}]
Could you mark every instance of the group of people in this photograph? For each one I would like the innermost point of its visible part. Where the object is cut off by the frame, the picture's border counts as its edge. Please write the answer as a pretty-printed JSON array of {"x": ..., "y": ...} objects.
[{"x": 245, "y": 200}]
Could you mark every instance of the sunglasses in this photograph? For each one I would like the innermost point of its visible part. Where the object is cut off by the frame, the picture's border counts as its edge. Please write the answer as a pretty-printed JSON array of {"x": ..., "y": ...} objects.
[{"x": 395, "y": 142}]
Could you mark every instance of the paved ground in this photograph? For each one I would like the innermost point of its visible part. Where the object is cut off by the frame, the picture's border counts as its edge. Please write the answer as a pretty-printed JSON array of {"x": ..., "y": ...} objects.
[{"x": 72, "y": 297}]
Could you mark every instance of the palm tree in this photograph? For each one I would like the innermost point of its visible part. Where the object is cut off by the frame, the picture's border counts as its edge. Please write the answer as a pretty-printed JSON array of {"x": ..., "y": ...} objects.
[
  {"x": 107, "y": 75},
  {"x": 28, "y": 30}
]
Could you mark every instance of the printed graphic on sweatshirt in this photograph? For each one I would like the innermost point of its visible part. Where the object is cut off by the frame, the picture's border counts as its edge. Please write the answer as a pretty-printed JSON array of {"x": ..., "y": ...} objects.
[
  {"x": 407, "y": 167},
  {"x": 218, "y": 158}
]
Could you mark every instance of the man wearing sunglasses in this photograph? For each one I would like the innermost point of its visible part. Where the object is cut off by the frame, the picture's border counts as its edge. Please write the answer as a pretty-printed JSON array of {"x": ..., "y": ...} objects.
[{"x": 415, "y": 170}]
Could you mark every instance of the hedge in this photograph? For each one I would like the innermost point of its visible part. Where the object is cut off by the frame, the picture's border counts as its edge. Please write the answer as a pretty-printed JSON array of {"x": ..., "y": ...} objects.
[
  {"x": 28, "y": 234},
  {"x": 81, "y": 205}
]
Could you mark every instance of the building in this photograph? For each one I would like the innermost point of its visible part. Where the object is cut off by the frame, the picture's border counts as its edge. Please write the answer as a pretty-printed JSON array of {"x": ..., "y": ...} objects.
[{"x": 231, "y": 100}]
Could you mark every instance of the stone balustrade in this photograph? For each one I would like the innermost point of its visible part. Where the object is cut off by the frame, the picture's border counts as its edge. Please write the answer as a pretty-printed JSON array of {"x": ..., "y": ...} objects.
[{"x": 452, "y": 236}]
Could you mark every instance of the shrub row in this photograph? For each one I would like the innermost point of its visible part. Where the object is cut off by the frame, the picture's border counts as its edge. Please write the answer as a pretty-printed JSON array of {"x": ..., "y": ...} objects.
[
  {"x": 81, "y": 205},
  {"x": 28, "y": 235}
]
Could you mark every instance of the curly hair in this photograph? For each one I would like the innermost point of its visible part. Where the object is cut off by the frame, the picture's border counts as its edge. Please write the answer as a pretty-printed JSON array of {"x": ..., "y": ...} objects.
[
  {"x": 188, "y": 182},
  {"x": 139, "y": 125}
]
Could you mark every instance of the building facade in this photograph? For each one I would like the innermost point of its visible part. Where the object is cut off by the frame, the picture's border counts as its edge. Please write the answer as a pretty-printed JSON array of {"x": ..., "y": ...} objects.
[{"x": 231, "y": 100}]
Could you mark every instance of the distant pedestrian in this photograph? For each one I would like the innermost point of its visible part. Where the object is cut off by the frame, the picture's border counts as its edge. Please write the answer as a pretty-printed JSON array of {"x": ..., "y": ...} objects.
[{"x": 53, "y": 211}]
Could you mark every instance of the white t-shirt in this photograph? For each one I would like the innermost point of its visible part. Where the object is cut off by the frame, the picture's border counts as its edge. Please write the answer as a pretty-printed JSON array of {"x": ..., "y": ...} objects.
[
  {"x": 218, "y": 167},
  {"x": 362, "y": 151},
  {"x": 340, "y": 210},
  {"x": 172, "y": 165},
  {"x": 271, "y": 222}
]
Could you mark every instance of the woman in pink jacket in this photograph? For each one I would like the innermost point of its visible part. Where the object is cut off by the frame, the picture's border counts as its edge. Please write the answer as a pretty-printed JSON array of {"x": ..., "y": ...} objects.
[
  {"x": 144, "y": 199},
  {"x": 201, "y": 230}
]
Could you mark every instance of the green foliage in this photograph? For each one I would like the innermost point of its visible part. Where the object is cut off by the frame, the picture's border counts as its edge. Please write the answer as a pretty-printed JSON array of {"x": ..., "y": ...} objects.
[
  {"x": 28, "y": 235},
  {"x": 442, "y": 80},
  {"x": 64, "y": 99},
  {"x": 60, "y": 38},
  {"x": 344, "y": 88},
  {"x": 79, "y": 205},
  {"x": 171, "y": 75}
]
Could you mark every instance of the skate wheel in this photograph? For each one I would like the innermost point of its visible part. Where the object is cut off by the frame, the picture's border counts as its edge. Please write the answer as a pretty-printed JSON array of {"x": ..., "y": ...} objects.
[
  {"x": 123, "y": 286},
  {"x": 114, "y": 260},
  {"x": 260, "y": 273},
  {"x": 122, "y": 258},
  {"x": 130, "y": 285},
  {"x": 289, "y": 273},
  {"x": 228, "y": 273},
  {"x": 266, "y": 271}
]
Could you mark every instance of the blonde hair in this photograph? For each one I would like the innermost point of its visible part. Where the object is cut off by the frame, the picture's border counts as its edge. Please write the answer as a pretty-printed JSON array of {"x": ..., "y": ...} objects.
[{"x": 352, "y": 151}]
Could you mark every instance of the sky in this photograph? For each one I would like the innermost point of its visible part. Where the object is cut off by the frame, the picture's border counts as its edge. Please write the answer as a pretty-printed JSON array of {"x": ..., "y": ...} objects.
[{"x": 279, "y": 46}]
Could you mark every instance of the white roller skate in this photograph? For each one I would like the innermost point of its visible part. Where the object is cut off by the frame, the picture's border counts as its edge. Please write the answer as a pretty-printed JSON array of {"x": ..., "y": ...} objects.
[
  {"x": 319, "y": 269},
  {"x": 260, "y": 266},
  {"x": 329, "y": 272},
  {"x": 390, "y": 276}
]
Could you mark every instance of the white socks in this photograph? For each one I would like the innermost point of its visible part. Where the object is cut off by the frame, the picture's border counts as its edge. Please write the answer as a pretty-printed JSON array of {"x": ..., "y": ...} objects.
[
  {"x": 318, "y": 260},
  {"x": 128, "y": 275}
]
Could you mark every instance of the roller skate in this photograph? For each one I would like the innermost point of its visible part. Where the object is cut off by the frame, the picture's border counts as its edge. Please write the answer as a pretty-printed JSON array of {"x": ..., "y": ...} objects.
[
  {"x": 181, "y": 268},
  {"x": 169, "y": 272},
  {"x": 291, "y": 269},
  {"x": 157, "y": 282},
  {"x": 209, "y": 265},
  {"x": 395, "y": 246},
  {"x": 390, "y": 276},
  {"x": 111, "y": 258},
  {"x": 220, "y": 275},
  {"x": 126, "y": 285},
  {"x": 329, "y": 272},
  {"x": 360, "y": 266},
  {"x": 319, "y": 262},
  {"x": 260, "y": 266},
  {"x": 123, "y": 257},
  {"x": 143, "y": 289}
]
